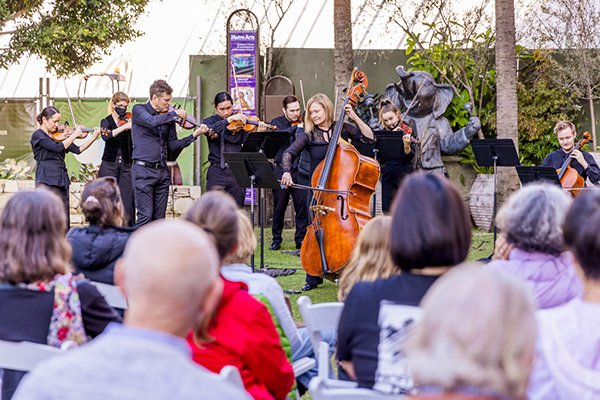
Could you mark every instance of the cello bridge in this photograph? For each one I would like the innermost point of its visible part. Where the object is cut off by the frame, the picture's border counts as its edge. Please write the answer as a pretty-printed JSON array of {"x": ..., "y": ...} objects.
[{"x": 322, "y": 209}]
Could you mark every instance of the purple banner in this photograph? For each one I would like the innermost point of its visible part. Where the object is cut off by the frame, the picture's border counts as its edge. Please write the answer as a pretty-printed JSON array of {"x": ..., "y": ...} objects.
[
  {"x": 248, "y": 198},
  {"x": 243, "y": 52}
]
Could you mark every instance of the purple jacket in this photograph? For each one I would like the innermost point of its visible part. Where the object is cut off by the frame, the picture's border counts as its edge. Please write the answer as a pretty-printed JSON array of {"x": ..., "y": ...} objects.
[{"x": 551, "y": 279}]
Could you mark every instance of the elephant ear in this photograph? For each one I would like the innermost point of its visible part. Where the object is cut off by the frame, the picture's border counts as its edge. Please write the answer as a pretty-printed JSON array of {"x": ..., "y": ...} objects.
[
  {"x": 443, "y": 98},
  {"x": 395, "y": 94}
]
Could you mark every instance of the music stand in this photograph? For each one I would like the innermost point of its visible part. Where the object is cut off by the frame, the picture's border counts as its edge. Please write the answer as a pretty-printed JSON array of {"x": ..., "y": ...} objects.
[
  {"x": 266, "y": 142},
  {"x": 252, "y": 170},
  {"x": 495, "y": 153},
  {"x": 534, "y": 174}
]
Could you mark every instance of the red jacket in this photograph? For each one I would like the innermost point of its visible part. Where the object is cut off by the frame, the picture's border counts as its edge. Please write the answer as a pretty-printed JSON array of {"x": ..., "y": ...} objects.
[{"x": 245, "y": 337}]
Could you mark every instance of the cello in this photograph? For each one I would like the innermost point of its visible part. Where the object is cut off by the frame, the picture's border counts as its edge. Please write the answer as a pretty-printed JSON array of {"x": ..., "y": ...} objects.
[
  {"x": 569, "y": 178},
  {"x": 343, "y": 185}
]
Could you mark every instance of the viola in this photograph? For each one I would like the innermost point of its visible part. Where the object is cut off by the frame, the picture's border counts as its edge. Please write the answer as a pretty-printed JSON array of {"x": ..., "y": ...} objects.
[
  {"x": 250, "y": 126},
  {"x": 343, "y": 184},
  {"x": 63, "y": 132},
  {"x": 569, "y": 178}
]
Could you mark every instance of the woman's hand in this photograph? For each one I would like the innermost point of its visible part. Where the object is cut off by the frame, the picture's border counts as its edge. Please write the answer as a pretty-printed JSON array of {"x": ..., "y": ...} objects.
[
  {"x": 286, "y": 180},
  {"x": 97, "y": 132},
  {"x": 351, "y": 113},
  {"x": 502, "y": 249},
  {"x": 77, "y": 133}
]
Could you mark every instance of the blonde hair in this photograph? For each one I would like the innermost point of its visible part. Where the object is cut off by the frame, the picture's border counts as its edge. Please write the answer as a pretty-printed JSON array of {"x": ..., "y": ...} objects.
[
  {"x": 371, "y": 258},
  {"x": 246, "y": 243},
  {"x": 562, "y": 125},
  {"x": 386, "y": 106},
  {"x": 323, "y": 101},
  {"x": 117, "y": 97},
  {"x": 478, "y": 329}
]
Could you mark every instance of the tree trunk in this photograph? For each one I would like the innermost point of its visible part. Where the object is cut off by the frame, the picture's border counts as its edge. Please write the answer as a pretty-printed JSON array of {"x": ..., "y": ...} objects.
[
  {"x": 343, "y": 56},
  {"x": 506, "y": 91},
  {"x": 592, "y": 116}
]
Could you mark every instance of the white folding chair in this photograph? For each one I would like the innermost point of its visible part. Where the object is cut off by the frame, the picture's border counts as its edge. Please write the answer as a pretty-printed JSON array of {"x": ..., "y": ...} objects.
[
  {"x": 23, "y": 356},
  {"x": 112, "y": 294},
  {"x": 320, "y": 317},
  {"x": 326, "y": 389},
  {"x": 231, "y": 375}
]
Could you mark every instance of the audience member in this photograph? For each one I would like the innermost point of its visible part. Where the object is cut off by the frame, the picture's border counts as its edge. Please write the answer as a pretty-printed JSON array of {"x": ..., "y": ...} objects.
[
  {"x": 475, "y": 339},
  {"x": 169, "y": 273},
  {"x": 97, "y": 247},
  {"x": 430, "y": 232},
  {"x": 236, "y": 269},
  {"x": 568, "y": 347},
  {"x": 242, "y": 332},
  {"x": 371, "y": 258},
  {"x": 41, "y": 301},
  {"x": 531, "y": 245}
]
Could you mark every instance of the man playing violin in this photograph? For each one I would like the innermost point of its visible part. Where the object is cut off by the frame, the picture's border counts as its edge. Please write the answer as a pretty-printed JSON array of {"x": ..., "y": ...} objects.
[
  {"x": 394, "y": 171},
  {"x": 281, "y": 197},
  {"x": 116, "y": 159},
  {"x": 582, "y": 161},
  {"x": 219, "y": 176},
  {"x": 154, "y": 135}
]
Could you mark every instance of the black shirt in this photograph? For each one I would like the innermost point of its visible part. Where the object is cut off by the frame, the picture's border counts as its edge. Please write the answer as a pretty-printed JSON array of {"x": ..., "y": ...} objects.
[
  {"x": 284, "y": 124},
  {"x": 317, "y": 146},
  {"x": 405, "y": 159},
  {"x": 50, "y": 157},
  {"x": 228, "y": 142},
  {"x": 121, "y": 142},
  {"x": 150, "y": 129},
  {"x": 557, "y": 158}
]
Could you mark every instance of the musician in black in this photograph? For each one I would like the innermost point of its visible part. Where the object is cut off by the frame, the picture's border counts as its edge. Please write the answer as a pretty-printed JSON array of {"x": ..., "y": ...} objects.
[
  {"x": 49, "y": 154},
  {"x": 219, "y": 176},
  {"x": 318, "y": 129},
  {"x": 281, "y": 197},
  {"x": 154, "y": 134},
  {"x": 583, "y": 162},
  {"x": 394, "y": 171},
  {"x": 116, "y": 159}
]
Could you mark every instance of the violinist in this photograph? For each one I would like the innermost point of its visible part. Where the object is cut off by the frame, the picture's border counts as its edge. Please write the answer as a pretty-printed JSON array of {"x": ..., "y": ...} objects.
[
  {"x": 318, "y": 128},
  {"x": 583, "y": 162},
  {"x": 116, "y": 159},
  {"x": 219, "y": 176},
  {"x": 394, "y": 171},
  {"x": 281, "y": 197},
  {"x": 154, "y": 135},
  {"x": 51, "y": 169}
]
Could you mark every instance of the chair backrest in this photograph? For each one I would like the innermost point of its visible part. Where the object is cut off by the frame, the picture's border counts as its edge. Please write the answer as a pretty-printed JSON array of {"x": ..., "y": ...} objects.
[
  {"x": 231, "y": 375},
  {"x": 320, "y": 390},
  {"x": 319, "y": 317},
  {"x": 112, "y": 294},
  {"x": 23, "y": 356}
]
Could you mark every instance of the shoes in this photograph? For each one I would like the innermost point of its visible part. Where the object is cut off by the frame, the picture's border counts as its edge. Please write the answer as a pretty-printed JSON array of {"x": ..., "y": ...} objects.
[
  {"x": 274, "y": 246},
  {"x": 308, "y": 287},
  {"x": 296, "y": 253}
]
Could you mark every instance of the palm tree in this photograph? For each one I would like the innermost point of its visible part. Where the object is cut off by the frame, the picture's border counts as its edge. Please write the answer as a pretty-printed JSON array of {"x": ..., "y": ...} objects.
[{"x": 343, "y": 55}]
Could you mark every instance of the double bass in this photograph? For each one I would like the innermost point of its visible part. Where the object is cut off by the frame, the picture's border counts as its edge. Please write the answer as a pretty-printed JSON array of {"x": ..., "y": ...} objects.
[
  {"x": 569, "y": 178},
  {"x": 343, "y": 184}
]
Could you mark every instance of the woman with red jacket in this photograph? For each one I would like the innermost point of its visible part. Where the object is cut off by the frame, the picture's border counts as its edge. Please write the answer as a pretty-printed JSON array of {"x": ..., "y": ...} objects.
[{"x": 241, "y": 333}]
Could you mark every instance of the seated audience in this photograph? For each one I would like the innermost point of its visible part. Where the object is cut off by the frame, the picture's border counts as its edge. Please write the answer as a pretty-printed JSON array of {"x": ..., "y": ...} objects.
[
  {"x": 236, "y": 269},
  {"x": 475, "y": 339},
  {"x": 430, "y": 232},
  {"x": 41, "y": 301},
  {"x": 371, "y": 259},
  {"x": 97, "y": 247},
  {"x": 169, "y": 273},
  {"x": 242, "y": 332},
  {"x": 531, "y": 244},
  {"x": 568, "y": 346}
]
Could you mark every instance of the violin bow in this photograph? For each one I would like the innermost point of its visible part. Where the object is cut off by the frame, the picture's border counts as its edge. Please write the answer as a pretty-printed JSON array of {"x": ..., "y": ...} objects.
[
  {"x": 302, "y": 91},
  {"x": 411, "y": 103},
  {"x": 70, "y": 105}
]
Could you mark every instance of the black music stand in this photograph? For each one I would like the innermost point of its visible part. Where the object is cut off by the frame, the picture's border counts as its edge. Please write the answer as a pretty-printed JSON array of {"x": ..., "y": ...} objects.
[
  {"x": 495, "y": 153},
  {"x": 535, "y": 174},
  {"x": 266, "y": 142},
  {"x": 252, "y": 170}
]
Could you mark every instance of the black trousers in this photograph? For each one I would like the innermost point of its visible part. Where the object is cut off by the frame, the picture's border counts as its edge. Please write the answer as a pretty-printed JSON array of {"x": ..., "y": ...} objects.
[
  {"x": 63, "y": 193},
  {"x": 151, "y": 192},
  {"x": 223, "y": 179},
  {"x": 122, "y": 173},
  {"x": 281, "y": 198},
  {"x": 392, "y": 176},
  {"x": 305, "y": 180}
]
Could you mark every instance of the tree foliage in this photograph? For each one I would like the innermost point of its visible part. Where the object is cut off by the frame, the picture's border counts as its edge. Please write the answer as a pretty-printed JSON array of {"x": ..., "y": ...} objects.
[{"x": 68, "y": 35}]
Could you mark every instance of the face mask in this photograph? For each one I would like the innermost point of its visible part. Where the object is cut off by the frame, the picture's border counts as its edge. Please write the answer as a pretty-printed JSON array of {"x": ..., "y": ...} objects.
[{"x": 121, "y": 111}]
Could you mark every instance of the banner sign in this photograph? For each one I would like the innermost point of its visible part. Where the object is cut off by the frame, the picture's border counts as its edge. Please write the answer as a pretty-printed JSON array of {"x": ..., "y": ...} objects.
[{"x": 243, "y": 58}]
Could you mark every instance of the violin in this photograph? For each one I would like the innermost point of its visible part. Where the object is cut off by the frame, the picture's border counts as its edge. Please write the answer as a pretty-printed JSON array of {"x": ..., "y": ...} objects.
[
  {"x": 298, "y": 122},
  {"x": 63, "y": 132},
  {"x": 191, "y": 123},
  {"x": 124, "y": 119},
  {"x": 250, "y": 126},
  {"x": 404, "y": 127},
  {"x": 569, "y": 178}
]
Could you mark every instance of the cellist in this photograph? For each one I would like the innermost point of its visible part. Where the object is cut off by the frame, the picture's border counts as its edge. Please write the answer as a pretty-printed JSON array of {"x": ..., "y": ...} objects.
[
  {"x": 583, "y": 162},
  {"x": 318, "y": 128}
]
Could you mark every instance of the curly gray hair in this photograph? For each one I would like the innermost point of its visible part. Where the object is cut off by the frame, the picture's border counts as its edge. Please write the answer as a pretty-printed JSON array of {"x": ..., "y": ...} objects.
[{"x": 532, "y": 218}]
